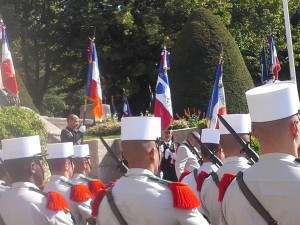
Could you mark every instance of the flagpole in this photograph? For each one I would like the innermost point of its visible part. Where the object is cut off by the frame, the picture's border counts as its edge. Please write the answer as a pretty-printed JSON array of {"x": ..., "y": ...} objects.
[
  {"x": 289, "y": 41},
  {"x": 84, "y": 115}
]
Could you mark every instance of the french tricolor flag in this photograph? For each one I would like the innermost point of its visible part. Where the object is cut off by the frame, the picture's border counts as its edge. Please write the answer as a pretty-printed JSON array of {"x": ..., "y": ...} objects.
[
  {"x": 163, "y": 103},
  {"x": 217, "y": 104},
  {"x": 8, "y": 79},
  {"x": 274, "y": 62},
  {"x": 93, "y": 88}
]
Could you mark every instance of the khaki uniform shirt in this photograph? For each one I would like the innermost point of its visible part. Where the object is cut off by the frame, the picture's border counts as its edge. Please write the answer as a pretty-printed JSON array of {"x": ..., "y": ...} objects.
[
  {"x": 275, "y": 182},
  {"x": 185, "y": 160},
  {"x": 22, "y": 206},
  {"x": 80, "y": 210},
  {"x": 210, "y": 207},
  {"x": 143, "y": 201},
  {"x": 207, "y": 167}
]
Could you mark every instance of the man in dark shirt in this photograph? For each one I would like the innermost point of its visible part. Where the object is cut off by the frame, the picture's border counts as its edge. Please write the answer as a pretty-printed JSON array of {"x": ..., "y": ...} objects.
[{"x": 74, "y": 131}]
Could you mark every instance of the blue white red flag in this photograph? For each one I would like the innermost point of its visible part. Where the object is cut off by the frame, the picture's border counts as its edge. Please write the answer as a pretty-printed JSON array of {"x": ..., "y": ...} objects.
[
  {"x": 274, "y": 62},
  {"x": 264, "y": 65},
  {"x": 93, "y": 88},
  {"x": 126, "y": 108},
  {"x": 163, "y": 103},
  {"x": 217, "y": 104},
  {"x": 8, "y": 79}
]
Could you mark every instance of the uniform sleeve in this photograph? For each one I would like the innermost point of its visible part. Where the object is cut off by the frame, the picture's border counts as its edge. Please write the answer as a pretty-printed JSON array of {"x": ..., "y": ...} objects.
[
  {"x": 78, "y": 135},
  {"x": 66, "y": 136},
  {"x": 182, "y": 158},
  {"x": 84, "y": 209},
  {"x": 42, "y": 215},
  {"x": 189, "y": 217}
]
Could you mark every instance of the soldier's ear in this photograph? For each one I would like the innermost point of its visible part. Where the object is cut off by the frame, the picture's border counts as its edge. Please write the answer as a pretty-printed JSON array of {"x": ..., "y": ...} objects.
[
  {"x": 32, "y": 168},
  {"x": 294, "y": 128}
]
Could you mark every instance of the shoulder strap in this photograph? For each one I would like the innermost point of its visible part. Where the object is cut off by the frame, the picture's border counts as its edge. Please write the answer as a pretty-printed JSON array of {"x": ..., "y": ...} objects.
[
  {"x": 215, "y": 178},
  {"x": 114, "y": 207},
  {"x": 253, "y": 200},
  {"x": 195, "y": 172}
]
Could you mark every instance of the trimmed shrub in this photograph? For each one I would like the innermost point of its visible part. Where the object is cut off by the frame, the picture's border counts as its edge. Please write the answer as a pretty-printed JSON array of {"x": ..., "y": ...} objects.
[
  {"x": 21, "y": 122},
  {"x": 195, "y": 58},
  {"x": 105, "y": 129}
]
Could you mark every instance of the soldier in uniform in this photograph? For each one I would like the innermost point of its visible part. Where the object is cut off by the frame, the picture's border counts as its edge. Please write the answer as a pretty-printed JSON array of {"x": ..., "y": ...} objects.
[
  {"x": 24, "y": 203},
  {"x": 60, "y": 161},
  {"x": 140, "y": 197},
  {"x": 187, "y": 159},
  {"x": 233, "y": 163},
  {"x": 74, "y": 131},
  {"x": 82, "y": 169},
  {"x": 274, "y": 180},
  {"x": 211, "y": 138},
  {"x": 169, "y": 156}
]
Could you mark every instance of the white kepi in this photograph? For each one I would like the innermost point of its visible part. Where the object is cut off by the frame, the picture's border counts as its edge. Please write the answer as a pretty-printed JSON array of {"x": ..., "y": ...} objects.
[
  {"x": 273, "y": 102},
  {"x": 240, "y": 123},
  {"x": 210, "y": 136},
  {"x": 140, "y": 128},
  {"x": 22, "y": 147},
  {"x": 81, "y": 151},
  {"x": 60, "y": 150}
]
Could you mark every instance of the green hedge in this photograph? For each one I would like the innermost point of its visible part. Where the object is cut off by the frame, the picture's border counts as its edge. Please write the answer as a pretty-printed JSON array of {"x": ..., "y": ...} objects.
[{"x": 21, "y": 122}]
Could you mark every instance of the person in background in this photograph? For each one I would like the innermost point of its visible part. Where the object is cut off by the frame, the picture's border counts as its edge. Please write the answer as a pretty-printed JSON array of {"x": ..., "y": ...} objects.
[
  {"x": 140, "y": 197},
  {"x": 169, "y": 156},
  {"x": 24, "y": 203},
  {"x": 82, "y": 169},
  {"x": 233, "y": 163},
  {"x": 60, "y": 161},
  {"x": 74, "y": 131},
  {"x": 211, "y": 138},
  {"x": 274, "y": 180},
  {"x": 187, "y": 155}
]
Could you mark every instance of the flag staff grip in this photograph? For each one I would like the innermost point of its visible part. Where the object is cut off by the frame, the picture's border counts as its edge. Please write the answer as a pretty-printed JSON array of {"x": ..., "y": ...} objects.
[
  {"x": 83, "y": 119},
  {"x": 289, "y": 40}
]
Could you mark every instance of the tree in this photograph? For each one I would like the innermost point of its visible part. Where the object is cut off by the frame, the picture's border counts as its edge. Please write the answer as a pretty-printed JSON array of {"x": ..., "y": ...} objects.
[{"x": 196, "y": 56}]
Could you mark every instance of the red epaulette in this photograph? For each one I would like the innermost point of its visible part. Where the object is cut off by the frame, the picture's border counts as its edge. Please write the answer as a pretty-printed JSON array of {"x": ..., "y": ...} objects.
[
  {"x": 111, "y": 183},
  {"x": 80, "y": 193},
  {"x": 224, "y": 183},
  {"x": 55, "y": 200},
  {"x": 95, "y": 186},
  {"x": 201, "y": 177},
  {"x": 97, "y": 200},
  {"x": 183, "y": 196},
  {"x": 185, "y": 173}
]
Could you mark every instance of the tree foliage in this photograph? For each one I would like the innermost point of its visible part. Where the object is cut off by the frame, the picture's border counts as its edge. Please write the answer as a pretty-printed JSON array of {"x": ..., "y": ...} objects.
[{"x": 49, "y": 42}]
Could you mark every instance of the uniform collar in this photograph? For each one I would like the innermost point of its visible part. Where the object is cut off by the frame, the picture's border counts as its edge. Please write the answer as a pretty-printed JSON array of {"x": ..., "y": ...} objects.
[
  {"x": 77, "y": 175},
  {"x": 282, "y": 156},
  {"x": 139, "y": 171},
  {"x": 235, "y": 159},
  {"x": 58, "y": 177},
  {"x": 24, "y": 185}
]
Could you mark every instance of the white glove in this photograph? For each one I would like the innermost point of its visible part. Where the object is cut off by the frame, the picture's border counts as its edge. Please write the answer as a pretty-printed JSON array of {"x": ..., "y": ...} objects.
[
  {"x": 167, "y": 153},
  {"x": 82, "y": 128}
]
